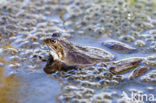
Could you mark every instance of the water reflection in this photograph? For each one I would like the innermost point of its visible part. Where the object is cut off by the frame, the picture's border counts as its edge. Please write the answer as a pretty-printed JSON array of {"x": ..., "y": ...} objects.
[{"x": 9, "y": 88}]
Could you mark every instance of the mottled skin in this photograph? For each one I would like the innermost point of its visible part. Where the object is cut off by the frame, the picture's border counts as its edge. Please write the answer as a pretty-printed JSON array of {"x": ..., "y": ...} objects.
[{"x": 74, "y": 55}]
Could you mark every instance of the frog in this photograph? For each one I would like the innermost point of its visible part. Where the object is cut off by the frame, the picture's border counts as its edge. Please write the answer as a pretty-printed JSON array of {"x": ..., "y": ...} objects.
[{"x": 66, "y": 55}]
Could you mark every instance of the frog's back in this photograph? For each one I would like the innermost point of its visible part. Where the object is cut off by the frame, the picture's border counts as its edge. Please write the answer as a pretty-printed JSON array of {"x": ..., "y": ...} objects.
[
  {"x": 87, "y": 56},
  {"x": 95, "y": 53}
]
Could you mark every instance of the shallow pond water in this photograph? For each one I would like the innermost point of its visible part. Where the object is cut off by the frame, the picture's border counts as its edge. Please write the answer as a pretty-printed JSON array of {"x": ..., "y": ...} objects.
[{"x": 24, "y": 24}]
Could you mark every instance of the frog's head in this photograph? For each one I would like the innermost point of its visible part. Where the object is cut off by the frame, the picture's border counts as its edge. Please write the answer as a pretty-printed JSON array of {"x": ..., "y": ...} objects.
[{"x": 58, "y": 45}]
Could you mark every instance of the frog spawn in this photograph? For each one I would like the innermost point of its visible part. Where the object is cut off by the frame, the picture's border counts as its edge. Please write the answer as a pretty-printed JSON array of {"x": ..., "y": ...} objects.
[
  {"x": 109, "y": 19},
  {"x": 40, "y": 27},
  {"x": 100, "y": 77},
  {"x": 23, "y": 26},
  {"x": 114, "y": 74},
  {"x": 150, "y": 78},
  {"x": 30, "y": 32},
  {"x": 81, "y": 83}
]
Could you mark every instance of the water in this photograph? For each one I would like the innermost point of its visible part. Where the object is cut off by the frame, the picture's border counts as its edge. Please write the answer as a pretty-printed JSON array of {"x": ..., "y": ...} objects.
[{"x": 25, "y": 24}]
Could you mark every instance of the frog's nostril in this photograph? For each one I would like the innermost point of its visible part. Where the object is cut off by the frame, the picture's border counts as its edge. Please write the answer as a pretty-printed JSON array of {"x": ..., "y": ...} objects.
[
  {"x": 55, "y": 47},
  {"x": 46, "y": 40}
]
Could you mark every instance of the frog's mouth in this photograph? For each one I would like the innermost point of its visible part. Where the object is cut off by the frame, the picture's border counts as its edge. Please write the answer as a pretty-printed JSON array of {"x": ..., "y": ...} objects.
[{"x": 52, "y": 51}]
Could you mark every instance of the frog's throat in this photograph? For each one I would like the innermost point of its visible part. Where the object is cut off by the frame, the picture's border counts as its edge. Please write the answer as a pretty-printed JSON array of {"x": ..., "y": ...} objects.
[
  {"x": 57, "y": 54},
  {"x": 61, "y": 55},
  {"x": 53, "y": 53}
]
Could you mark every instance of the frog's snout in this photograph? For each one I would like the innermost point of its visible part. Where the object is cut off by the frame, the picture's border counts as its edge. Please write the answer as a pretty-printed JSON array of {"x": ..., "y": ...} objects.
[
  {"x": 51, "y": 40},
  {"x": 46, "y": 40}
]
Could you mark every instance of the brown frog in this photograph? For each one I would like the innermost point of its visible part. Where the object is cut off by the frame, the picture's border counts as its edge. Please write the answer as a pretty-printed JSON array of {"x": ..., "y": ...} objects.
[{"x": 66, "y": 55}]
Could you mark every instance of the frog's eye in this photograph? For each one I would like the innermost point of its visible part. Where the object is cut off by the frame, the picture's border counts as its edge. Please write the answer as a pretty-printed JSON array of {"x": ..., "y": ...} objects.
[{"x": 53, "y": 41}]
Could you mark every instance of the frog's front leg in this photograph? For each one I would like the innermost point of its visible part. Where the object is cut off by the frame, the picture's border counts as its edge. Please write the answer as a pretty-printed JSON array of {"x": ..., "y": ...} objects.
[{"x": 57, "y": 65}]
